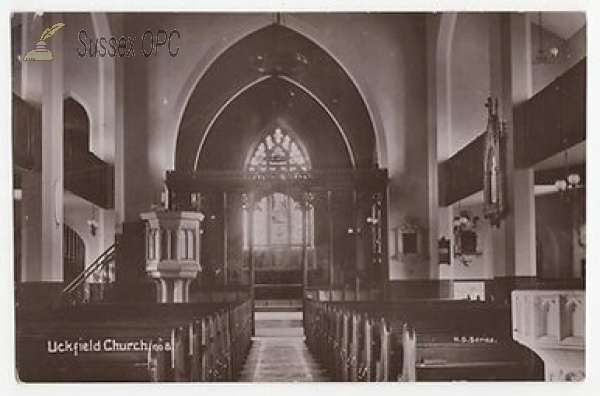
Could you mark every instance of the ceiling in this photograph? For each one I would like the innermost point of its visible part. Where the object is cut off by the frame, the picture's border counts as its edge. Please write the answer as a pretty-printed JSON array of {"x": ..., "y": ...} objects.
[
  {"x": 236, "y": 95},
  {"x": 563, "y": 24},
  {"x": 275, "y": 102}
]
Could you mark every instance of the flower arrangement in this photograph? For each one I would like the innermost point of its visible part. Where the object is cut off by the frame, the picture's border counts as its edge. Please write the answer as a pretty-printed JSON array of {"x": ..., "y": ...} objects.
[
  {"x": 464, "y": 222},
  {"x": 465, "y": 237}
]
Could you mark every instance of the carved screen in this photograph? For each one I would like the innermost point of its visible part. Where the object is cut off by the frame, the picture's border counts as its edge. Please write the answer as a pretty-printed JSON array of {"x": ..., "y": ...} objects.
[
  {"x": 277, "y": 219},
  {"x": 278, "y": 222}
]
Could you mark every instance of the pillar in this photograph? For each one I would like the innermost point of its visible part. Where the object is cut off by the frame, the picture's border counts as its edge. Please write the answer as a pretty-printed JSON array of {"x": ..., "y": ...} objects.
[
  {"x": 307, "y": 205},
  {"x": 514, "y": 241},
  {"x": 118, "y": 95},
  {"x": 375, "y": 222},
  {"x": 523, "y": 193},
  {"x": 331, "y": 238},
  {"x": 43, "y": 193},
  {"x": 440, "y": 34},
  {"x": 249, "y": 205},
  {"x": 225, "y": 220},
  {"x": 136, "y": 183},
  {"x": 356, "y": 237},
  {"x": 385, "y": 275}
]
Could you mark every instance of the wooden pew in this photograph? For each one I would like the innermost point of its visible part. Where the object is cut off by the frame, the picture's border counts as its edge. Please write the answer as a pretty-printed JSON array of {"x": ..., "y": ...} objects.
[
  {"x": 92, "y": 352},
  {"x": 351, "y": 345},
  {"x": 429, "y": 358},
  {"x": 454, "y": 340},
  {"x": 182, "y": 344}
]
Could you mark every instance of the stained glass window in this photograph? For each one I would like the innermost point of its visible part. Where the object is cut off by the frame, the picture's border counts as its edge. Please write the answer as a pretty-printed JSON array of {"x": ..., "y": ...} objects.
[
  {"x": 277, "y": 219},
  {"x": 278, "y": 152}
]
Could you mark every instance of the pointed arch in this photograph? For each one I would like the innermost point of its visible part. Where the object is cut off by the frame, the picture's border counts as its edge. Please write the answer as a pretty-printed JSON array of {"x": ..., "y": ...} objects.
[
  {"x": 77, "y": 124},
  {"x": 220, "y": 111},
  {"x": 203, "y": 106}
]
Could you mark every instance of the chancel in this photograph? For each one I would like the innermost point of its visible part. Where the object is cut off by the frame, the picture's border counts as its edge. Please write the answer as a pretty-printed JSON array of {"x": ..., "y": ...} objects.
[{"x": 301, "y": 197}]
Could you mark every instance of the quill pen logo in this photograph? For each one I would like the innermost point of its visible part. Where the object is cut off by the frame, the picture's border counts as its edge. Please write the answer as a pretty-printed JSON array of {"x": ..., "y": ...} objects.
[{"x": 40, "y": 53}]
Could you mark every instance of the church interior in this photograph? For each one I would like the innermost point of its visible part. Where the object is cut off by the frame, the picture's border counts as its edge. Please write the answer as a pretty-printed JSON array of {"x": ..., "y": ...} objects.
[{"x": 255, "y": 197}]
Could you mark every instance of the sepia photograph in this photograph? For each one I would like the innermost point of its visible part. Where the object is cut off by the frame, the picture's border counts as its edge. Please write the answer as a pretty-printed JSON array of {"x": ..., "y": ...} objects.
[{"x": 298, "y": 196}]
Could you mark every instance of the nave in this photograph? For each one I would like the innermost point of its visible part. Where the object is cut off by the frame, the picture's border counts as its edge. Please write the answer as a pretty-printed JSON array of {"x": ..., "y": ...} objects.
[
  {"x": 416, "y": 182},
  {"x": 343, "y": 341},
  {"x": 124, "y": 343},
  {"x": 279, "y": 353}
]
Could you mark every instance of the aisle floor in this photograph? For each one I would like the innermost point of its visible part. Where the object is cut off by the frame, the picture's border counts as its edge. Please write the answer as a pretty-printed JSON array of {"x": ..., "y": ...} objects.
[{"x": 278, "y": 352}]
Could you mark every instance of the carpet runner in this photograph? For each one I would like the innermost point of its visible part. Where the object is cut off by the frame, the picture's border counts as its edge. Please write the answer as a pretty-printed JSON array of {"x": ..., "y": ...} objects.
[{"x": 278, "y": 352}]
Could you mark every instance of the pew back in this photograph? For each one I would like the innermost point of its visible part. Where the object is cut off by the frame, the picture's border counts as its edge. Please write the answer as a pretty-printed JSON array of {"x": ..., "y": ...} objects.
[
  {"x": 161, "y": 342},
  {"x": 420, "y": 340}
]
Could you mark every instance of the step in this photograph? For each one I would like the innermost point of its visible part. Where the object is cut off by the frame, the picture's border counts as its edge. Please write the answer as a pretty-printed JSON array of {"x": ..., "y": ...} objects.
[{"x": 278, "y": 305}]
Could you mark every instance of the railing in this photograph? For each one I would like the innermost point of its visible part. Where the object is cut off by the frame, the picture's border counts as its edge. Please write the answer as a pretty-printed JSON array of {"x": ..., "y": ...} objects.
[{"x": 69, "y": 293}]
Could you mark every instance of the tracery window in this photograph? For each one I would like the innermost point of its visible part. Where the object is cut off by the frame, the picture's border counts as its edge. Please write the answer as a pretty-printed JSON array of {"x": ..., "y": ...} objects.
[
  {"x": 277, "y": 220},
  {"x": 278, "y": 152}
]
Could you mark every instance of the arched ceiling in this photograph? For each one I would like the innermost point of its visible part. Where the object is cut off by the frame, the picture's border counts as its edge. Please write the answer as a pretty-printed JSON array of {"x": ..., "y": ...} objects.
[
  {"x": 274, "y": 102},
  {"x": 234, "y": 102}
]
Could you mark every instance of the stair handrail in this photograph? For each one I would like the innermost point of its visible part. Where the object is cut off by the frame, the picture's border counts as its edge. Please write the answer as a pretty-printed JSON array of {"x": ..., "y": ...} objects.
[{"x": 106, "y": 257}]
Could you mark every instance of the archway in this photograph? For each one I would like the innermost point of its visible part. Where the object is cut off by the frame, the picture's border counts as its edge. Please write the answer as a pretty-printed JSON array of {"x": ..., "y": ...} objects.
[
  {"x": 277, "y": 84},
  {"x": 235, "y": 72}
]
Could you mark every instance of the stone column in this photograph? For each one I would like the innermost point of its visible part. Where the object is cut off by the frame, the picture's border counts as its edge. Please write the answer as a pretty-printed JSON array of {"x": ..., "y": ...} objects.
[
  {"x": 330, "y": 239},
  {"x": 440, "y": 33},
  {"x": 307, "y": 205},
  {"x": 173, "y": 252},
  {"x": 48, "y": 265},
  {"x": 514, "y": 242},
  {"x": 248, "y": 203},
  {"x": 225, "y": 220}
]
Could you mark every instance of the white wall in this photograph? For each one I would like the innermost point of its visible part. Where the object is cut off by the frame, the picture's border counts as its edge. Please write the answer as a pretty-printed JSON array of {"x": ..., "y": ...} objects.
[
  {"x": 470, "y": 78},
  {"x": 544, "y": 74}
]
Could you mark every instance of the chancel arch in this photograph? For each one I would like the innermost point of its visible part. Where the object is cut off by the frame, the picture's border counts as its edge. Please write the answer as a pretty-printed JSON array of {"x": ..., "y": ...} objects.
[
  {"x": 236, "y": 70},
  {"x": 279, "y": 119}
]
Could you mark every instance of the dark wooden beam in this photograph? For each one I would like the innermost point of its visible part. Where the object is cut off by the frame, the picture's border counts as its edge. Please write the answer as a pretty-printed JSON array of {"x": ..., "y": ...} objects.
[
  {"x": 462, "y": 174},
  {"x": 315, "y": 180},
  {"x": 86, "y": 175},
  {"x": 26, "y": 136},
  {"x": 91, "y": 179},
  {"x": 551, "y": 121},
  {"x": 554, "y": 119}
]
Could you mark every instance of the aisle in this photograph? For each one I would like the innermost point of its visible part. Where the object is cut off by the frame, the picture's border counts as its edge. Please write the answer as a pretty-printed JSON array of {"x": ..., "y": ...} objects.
[{"x": 278, "y": 352}]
